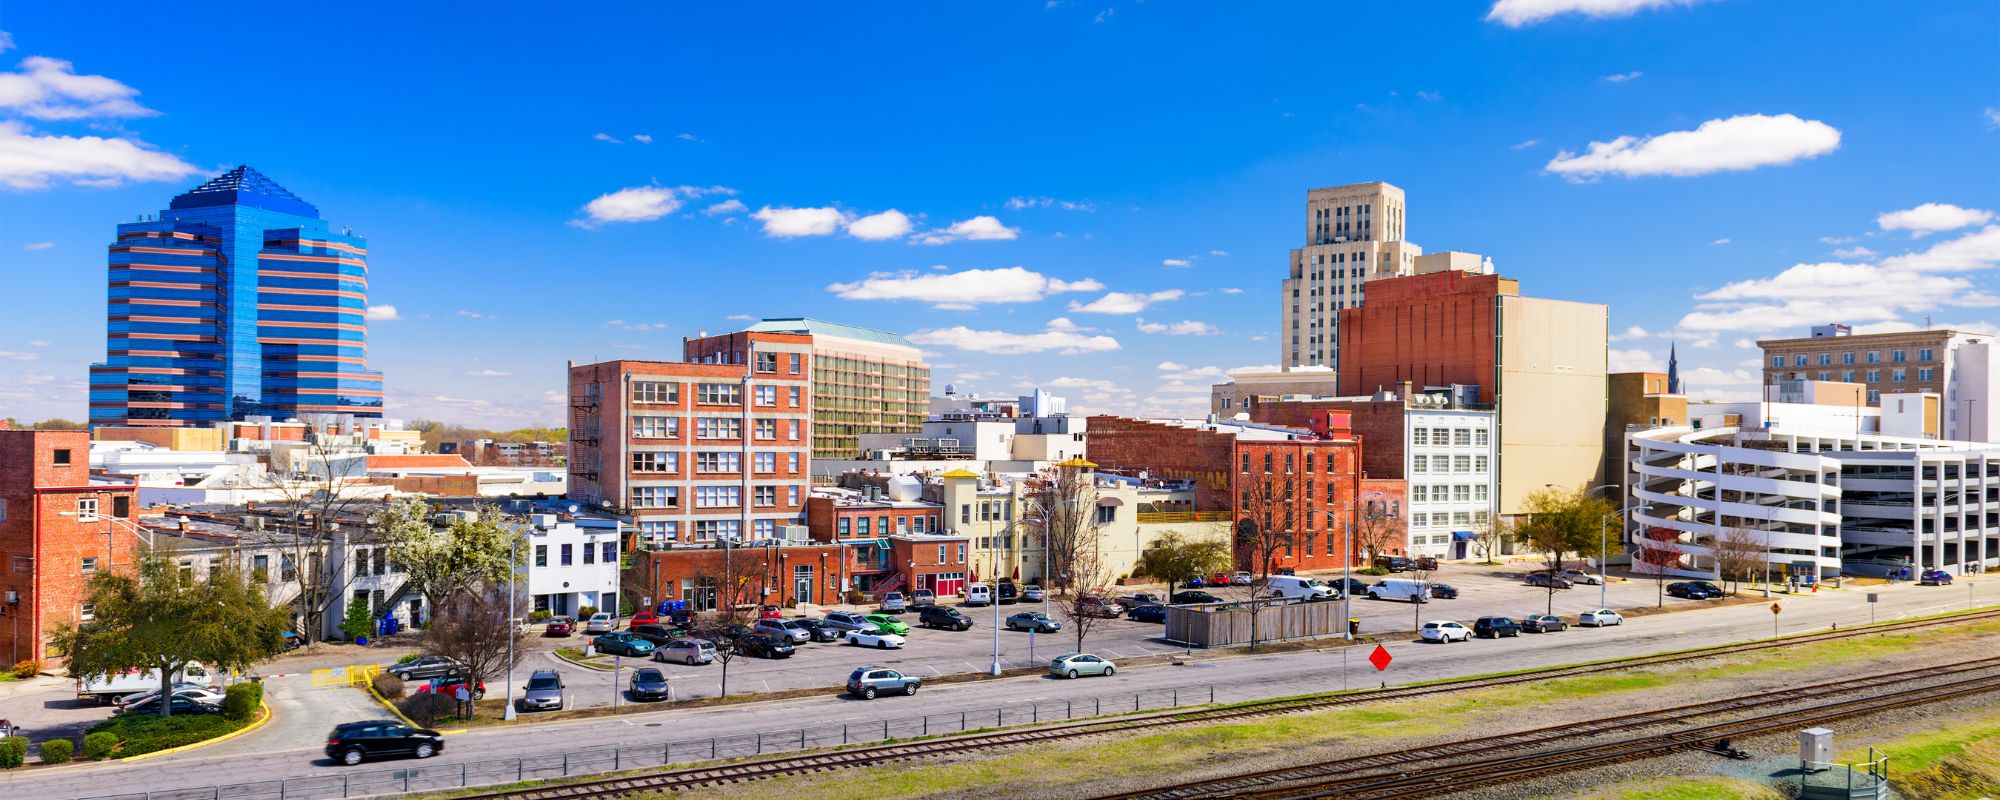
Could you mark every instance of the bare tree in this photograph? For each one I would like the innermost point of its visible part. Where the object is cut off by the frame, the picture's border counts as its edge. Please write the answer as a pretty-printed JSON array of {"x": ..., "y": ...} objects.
[
  {"x": 477, "y": 628},
  {"x": 1374, "y": 533},
  {"x": 1267, "y": 519},
  {"x": 1084, "y": 600},
  {"x": 1489, "y": 536},
  {"x": 726, "y": 585},
  {"x": 1739, "y": 552},
  {"x": 1660, "y": 552},
  {"x": 1063, "y": 500},
  {"x": 320, "y": 482}
]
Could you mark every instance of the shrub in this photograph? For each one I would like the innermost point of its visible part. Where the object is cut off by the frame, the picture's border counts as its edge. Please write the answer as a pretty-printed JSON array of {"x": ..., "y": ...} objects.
[
  {"x": 1371, "y": 571},
  {"x": 27, "y": 669},
  {"x": 426, "y": 708},
  {"x": 584, "y": 612},
  {"x": 57, "y": 751},
  {"x": 138, "y": 734},
  {"x": 540, "y": 615},
  {"x": 241, "y": 701},
  {"x": 13, "y": 751},
  {"x": 409, "y": 658},
  {"x": 357, "y": 623},
  {"x": 388, "y": 686},
  {"x": 98, "y": 746}
]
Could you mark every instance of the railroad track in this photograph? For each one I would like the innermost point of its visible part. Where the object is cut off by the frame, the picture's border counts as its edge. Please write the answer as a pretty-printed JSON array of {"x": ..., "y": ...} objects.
[
  {"x": 873, "y": 755},
  {"x": 1459, "y": 777},
  {"x": 1405, "y": 760}
]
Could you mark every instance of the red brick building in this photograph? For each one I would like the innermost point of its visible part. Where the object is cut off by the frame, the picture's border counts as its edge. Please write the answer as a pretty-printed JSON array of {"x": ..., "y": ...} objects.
[
  {"x": 1313, "y": 474},
  {"x": 775, "y": 574},
  {"x": 1431, "y": 330},
  {"x": 867, "y": 524},
  {"x": 58, "y": 527}
]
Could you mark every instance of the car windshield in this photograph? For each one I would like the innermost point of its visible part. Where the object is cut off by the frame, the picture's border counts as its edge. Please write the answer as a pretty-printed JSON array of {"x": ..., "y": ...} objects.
[
  {"x": 543, "y": 682},
  {"x": 648, "y": 676}
]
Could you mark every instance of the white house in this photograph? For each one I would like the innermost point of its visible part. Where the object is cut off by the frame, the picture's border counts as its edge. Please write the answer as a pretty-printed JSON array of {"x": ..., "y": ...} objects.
[{"x": 572, "y": 563}]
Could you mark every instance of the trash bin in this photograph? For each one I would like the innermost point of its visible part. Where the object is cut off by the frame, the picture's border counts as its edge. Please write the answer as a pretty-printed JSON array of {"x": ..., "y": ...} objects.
[{"x": 1353, "y": 627}]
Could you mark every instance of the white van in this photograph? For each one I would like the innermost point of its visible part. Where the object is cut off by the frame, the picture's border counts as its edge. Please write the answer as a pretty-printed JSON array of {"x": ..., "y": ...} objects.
[
  {"x": 1400, "y": 589},
  {"x": 104, "y": 688},
  {"x": 1296, "y": 587},
  {"x": 978, "y": 594}
]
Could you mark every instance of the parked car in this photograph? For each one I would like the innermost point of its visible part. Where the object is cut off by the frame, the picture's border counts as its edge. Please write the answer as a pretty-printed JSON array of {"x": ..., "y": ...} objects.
[
  {"x": 1137, "y": 599},
  {"x": 559, "y": 626},
  {"x": 1600, "y": 618},
  {"x": 623, "y": 643},
  {"x": 768, "y": 611},
  {"x": 1495, "y": 627},
  {"x": 895, "y": 603},
  {"x": 1444, "y": 591},
  {"x": 820, "y": 630},
  {"x": 873, "y": 637},
  {"x": 889, "y": 624},
  {"x": 1689, "y": 590},
  {"x": 181, "y": 704},
  {"x": 1219, "y": 579},
  {"x": 1349, "y": 586},
  {"x": 846, "y": 621},
  {"x": 450, "y": 688},
  {"x": 1444, "y": 631},
  {"x": 1074, "y": 665},
  {"x": 601, "y": 622},
  {"x": 1425, "y": 563},
  {"x": 140, "y": 697},
  {"x": 649, "y": 685},
  {"x": 657, "y": 634},
  {"x": 1580, "y": 577},
  {"x": 1393, "y": 563},
  {"x": 1399, "y": 589},
  {"x": 1033, "y": 594},
  {"x": 1934, "y": 577},
  {"x": 718, "y": 635},
  {"x": 352, "y": 742},
  {"x": 1194, "y": 583},
  {"x": 1155, "y": 613},
  {"x": 1033, "y": 621},
  {"x": 978, "y": 594},
  {"x": 1196, "y": 596},
  {"x": 1285, "y": 571},
  {"x": 425, "y": 668},
  {"x": 1008, "y": 593},
  {"x": 923, "y": 597},
  {"x": 867, "y": 682},
  {"x": 1091, "y": 605},
  {"x": 689, "y": 651},
  {"x": 1241, "y": 578},
  {"x": 944, "y": 617},
  {"x": 765, "y": 645},
  {"x": 544, "y": 691},
  {"x": 1712, "y": 589},
  {"x": 1545, "y": 580},
  {"x": 643, "y": 618},
  {"x": 1295, "y": 587},
  {"x": 791, "y": 629},
  {"x": 1543, "y": 623}
]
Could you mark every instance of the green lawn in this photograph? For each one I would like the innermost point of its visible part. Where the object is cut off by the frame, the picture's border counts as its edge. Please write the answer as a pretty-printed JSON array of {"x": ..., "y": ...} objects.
[
  {"x": 1959, "y": 762},
  {"x": 1706, "y": 788}
]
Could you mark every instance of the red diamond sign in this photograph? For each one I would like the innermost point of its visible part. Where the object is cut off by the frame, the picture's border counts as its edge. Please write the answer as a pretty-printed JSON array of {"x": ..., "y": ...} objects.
[{"x": 1380, "y": 658}]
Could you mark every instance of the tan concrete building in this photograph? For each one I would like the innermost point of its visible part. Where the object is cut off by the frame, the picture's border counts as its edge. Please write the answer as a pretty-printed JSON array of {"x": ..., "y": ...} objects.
[
  {"x": 1004, "y": 539},
  {"x": 1354, "y": 234},
  {"x": 1233, "y": 396},
  {"x": 1637, "y": 401},
  {"x": 1962, "y": 367}
]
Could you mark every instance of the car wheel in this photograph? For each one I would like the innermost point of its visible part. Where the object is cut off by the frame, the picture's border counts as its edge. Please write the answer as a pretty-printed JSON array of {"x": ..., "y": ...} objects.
[
  {"x": 351, "y": 757},
  {"x": 868, "y": 693},
  {"x": 426, "y": 750},
  {"x": 881, "y": 644},
  {"x": 909, "y": 690},
  {"x": 1071, "y": 675},
  {"x": 1109, "y": 671}
]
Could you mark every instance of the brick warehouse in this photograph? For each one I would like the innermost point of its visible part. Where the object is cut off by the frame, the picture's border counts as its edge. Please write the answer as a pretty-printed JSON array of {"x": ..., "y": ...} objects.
[
  {"x": 1321, "y": 465},
  {"x": 58, "y": 526}
]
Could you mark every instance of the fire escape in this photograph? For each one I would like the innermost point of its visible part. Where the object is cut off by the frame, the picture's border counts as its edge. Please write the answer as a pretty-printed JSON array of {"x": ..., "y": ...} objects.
[{"x": 583, "y": 432}]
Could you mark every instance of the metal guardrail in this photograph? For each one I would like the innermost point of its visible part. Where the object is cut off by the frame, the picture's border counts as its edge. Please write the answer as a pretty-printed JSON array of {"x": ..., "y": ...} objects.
[{"x": 427, "y": 777}]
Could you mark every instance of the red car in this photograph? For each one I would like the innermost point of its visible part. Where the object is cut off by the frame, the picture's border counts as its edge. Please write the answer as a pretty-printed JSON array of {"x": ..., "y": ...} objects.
[
  {"x": 770, "y": 612},
  {"x": 560, "y": 626},
  {"x": 1219, "y": 579},
  {"x": 643, "y": 618},
  {"x": 450, "y": 689}
]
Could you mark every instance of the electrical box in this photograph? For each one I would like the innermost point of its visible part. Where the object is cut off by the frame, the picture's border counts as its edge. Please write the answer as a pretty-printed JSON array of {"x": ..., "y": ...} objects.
[{"x": 1816, "y": 749}]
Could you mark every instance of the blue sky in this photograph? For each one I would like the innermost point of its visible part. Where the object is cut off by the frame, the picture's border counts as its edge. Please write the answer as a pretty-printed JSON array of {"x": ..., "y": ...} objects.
[{"x": 1100, "y": 195}]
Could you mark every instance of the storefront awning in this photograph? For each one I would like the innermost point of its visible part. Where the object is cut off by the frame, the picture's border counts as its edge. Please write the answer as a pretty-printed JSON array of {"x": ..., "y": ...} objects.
[
  {"x": 1463, "y": 536},
  {"x": 1110, "y": 501}
]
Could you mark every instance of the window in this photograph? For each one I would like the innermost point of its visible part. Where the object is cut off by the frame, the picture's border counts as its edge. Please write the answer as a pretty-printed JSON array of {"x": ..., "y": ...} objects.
[
  {"x": 1847, "y": 358},
  {"x": 655, "y": 392},
  {"x": 1799, "y": 360},
  {"x": 1874, "y": 376},
  {"x": 765, "y": 462},
  {"x": 1825, "y": 359},
  {"x": 792, "y": 463},
  {"x": 1479, "y": 437},
  {"x": 1461, "y": 493},
  {"x": 767, "y": 395},
  {"x": 541, "y": 555},
  {"x": 711, "y": 529},
  {"x": 965, "y": 513},
  {"x": 1479, "y": 491},
  {"x": 1420, "y": 464},
  {"x": 795, "y": 365},
  {"x": 1898, "y": 375},
  {"x": 1419, "y": 494},
  {"x": 1246, "y": 462},
  {"x": 656, "y": 497},
  {"x": 656, "y": 462},
  {"x": 718, "y": 462},
  {"x": 260, "y": 569},
  {"x": 961, "y": 552},
  {"x": 1267, "y": 463},
  {"x": 717, "y": 496},
  {"x": 861, "y": 525},
  {"x": 1107, "y": 514},
  {"x": 1898, "y": 356},
  {"x": 917, "y": 523},
  {"x": 88, "y": 613},
  {"x": 794, "y": 430},
  {"x": 1288, "y": 462},
  {"x": 767, "y": 362},
  {"x": 86, "y": 509},
  {"x": 656, "y": 427},
  {"x": 3, "y": 510},
  {"x": 1478, "y": 463},
  {"x": 1825, "y": 376},
  {"x": 1420, "y": 436},
  {"x": 1461, "y": 463},
  {"x": 944, "y": 555},
  {"x": 1874, "y": 357},
  {"x": 765, "y": 495},
  {"x": 121, "y": 506},
  {"x": 718, "y": 428},
  {"x": 764, "y": 528},
  {"x": 766, "y": 428},
  {"x": 1847, "y": 375},
  {"x": 589, "y": 554},
  {"x": 1309, "y": 462},
  {"x": 1777, "y": 361},
  {"x": 1461, "y": 437},
  {"x": 567, "y": 559},
  {"x": 795, "y": 397},
  {"x": 1419, "y": 520},
  {"x": 841, "y": 527},
  {"x": 1923, "y": 374},
  {"x": 718, "y": 393},
  {"x": 1926, "y": 354},
  {"x": 89, "y": 566},
  {"x": 1874, "y": 396},
  {"x": 288, "y": 569},
  {"x": 792, "y": 495},
  {"x": 60, "y": 457},
  {"x": 609, "y": 551}
]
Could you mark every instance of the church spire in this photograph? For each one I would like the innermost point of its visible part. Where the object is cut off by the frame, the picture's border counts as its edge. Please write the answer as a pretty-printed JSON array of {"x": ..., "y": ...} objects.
[{"x": 1673, "y": 369}]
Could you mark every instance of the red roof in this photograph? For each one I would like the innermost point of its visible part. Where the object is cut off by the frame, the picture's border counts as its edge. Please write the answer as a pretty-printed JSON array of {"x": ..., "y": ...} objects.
[{"x": 415, "y": 462}]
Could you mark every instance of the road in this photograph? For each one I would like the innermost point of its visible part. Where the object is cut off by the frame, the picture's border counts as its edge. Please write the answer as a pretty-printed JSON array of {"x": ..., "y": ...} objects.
[{"x": 1235, "y": 678}]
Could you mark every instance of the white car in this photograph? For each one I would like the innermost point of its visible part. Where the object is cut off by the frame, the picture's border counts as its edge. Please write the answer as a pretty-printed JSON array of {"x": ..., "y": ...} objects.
[
  {"x": 1600, "y": 618},
  {"x": 601, "y": 622},
  {"x": 1579, "y": 576},
  {"x": 1444, "y": 631},
  {"x": 194, "y": 692},
  {"x": 875, "y": 638}
]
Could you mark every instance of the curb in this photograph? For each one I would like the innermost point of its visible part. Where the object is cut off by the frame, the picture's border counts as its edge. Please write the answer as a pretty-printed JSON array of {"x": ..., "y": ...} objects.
[
  {"x": 584, "y": 664},
  {"x": 261, "y": 721}
]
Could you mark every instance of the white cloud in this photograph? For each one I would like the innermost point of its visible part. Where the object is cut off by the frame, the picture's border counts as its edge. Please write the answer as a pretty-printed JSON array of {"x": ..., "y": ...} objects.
[
  {"x": 1186, "y": 327},
  {"x": 1717, "y": 242},
  {"x": 689, "y": 137},
  {"x": 29, "y": 160},
  {"x": 1182, "y": 372},
  {"x": 1064, "y": 324},
  {"x": 475, "y": 315},
  {"x": 1019, "y": 203},
  {"x": 1634, "y": 360},
  {"x": 1992, "y": 118},
  {"x": 1630, "y": 334},
  {"x": 891, "y": 224},
  {"x": 1524, "y": 145},
  {"x": 1836, "y": 239},
  {"x": 788, "y": 223},
  {"x": 1085, "y": 383},
  {"x": 634, "y": 326},
  {"x": 1125, "y": 302},
  {"x": 49, "y": 89},
  {"x": 1624, "y": 76},
  {"x": 37, "y": 245},
  {"x": 642, "y": 138},
  {"x": 1230, "y": 290},
  {"x": 1973, "y": 251},
  {"x": 730, "y": 206},
  {"x": 1857, "y": 252},
  {"x": 6, "y": 41},
  {"x": 1104, "y": 15},
  {"x": 605, "y": 137},
  {"x": 741, "y": 317},
  {"x": 642, "y": 203},
  {"x": 1519, "y": 13},
  {"x": 382, "y": 313},
  {"x": 960, "y": 290},
  {"x": 9, "y": 355},
  {"x": 39, "y": 343},
  {"x": 1738, "y": 143},
  {"x": 1219, "y": 253},
  {"x": 1176, "y": 262},
  {"x": 1805, "y": 294},
  {"x": 1747, "y": 344},
  {"x": 980, "y": 228},
  {"x": 490, "y": 373},
  {"x": 1170, "y": 366},
  {"x": 1257, "y": 368},
  {"x": 978, "y": 341},
  {"x": 1930, "y": 218}
]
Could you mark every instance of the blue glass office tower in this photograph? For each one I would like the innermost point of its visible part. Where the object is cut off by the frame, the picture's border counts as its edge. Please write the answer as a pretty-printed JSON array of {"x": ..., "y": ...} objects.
[{"x": 235, "y": 300}]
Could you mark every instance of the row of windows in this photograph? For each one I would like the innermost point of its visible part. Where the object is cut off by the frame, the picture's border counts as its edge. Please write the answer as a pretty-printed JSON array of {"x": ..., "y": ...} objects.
[
  {"x": 1448, "y": 493},
  {"x": 1420, "y": 520},
  {"x": 1898, "y": 375},
  {"x": 592, "y": 553},
  {"x": 905, "y": 523},
  {"x": 1924, "y": 354},
  {"x": 1455, "y": 437},
  {"x": 711, "y": 496},
  {"x": 1270, "y": 463},
  {"x": 1442, "y": 464},
  {"x": 708, "y": 530}
]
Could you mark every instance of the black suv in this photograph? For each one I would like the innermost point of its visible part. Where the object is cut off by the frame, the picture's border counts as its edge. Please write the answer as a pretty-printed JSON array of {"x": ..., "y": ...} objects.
[
  {"x": 820, "y": 631},
  {"x": 1195, "y": 596},
  {"x": 943, "y": 617},
  {"x": 764, "y": 645},
  {"x": 352, "y": 742},
  {"x": 1690, "y": 590},
  {"x": 1495, "y": 627},
  {"x": 1009, "y": 593},
  {"x": 1393, "y": 563}
]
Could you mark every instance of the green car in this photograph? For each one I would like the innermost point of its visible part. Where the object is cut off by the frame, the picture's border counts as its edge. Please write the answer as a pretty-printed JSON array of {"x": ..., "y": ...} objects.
[
  {"x": 623, "y": 643},
  {"x": 889, "y": 623}
]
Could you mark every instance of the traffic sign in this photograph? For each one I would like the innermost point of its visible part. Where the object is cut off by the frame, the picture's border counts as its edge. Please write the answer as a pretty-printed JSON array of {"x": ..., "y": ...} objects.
[
  {"x": 1874, "y": 598},
  {"x": 1775, "y": 608},
  {"x": 1380, "y": 658}
]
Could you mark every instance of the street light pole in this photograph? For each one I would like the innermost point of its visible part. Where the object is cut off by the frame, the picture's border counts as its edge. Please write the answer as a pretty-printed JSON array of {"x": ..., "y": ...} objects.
[{"x": 514, "y": 567}]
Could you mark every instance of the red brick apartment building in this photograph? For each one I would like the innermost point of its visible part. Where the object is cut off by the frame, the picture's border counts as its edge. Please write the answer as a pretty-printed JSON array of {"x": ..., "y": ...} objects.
[
  {"x": 58, "y": 527},
  {"x": 695, "y": 452},
  {"x": 1227, "y": 460}
]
